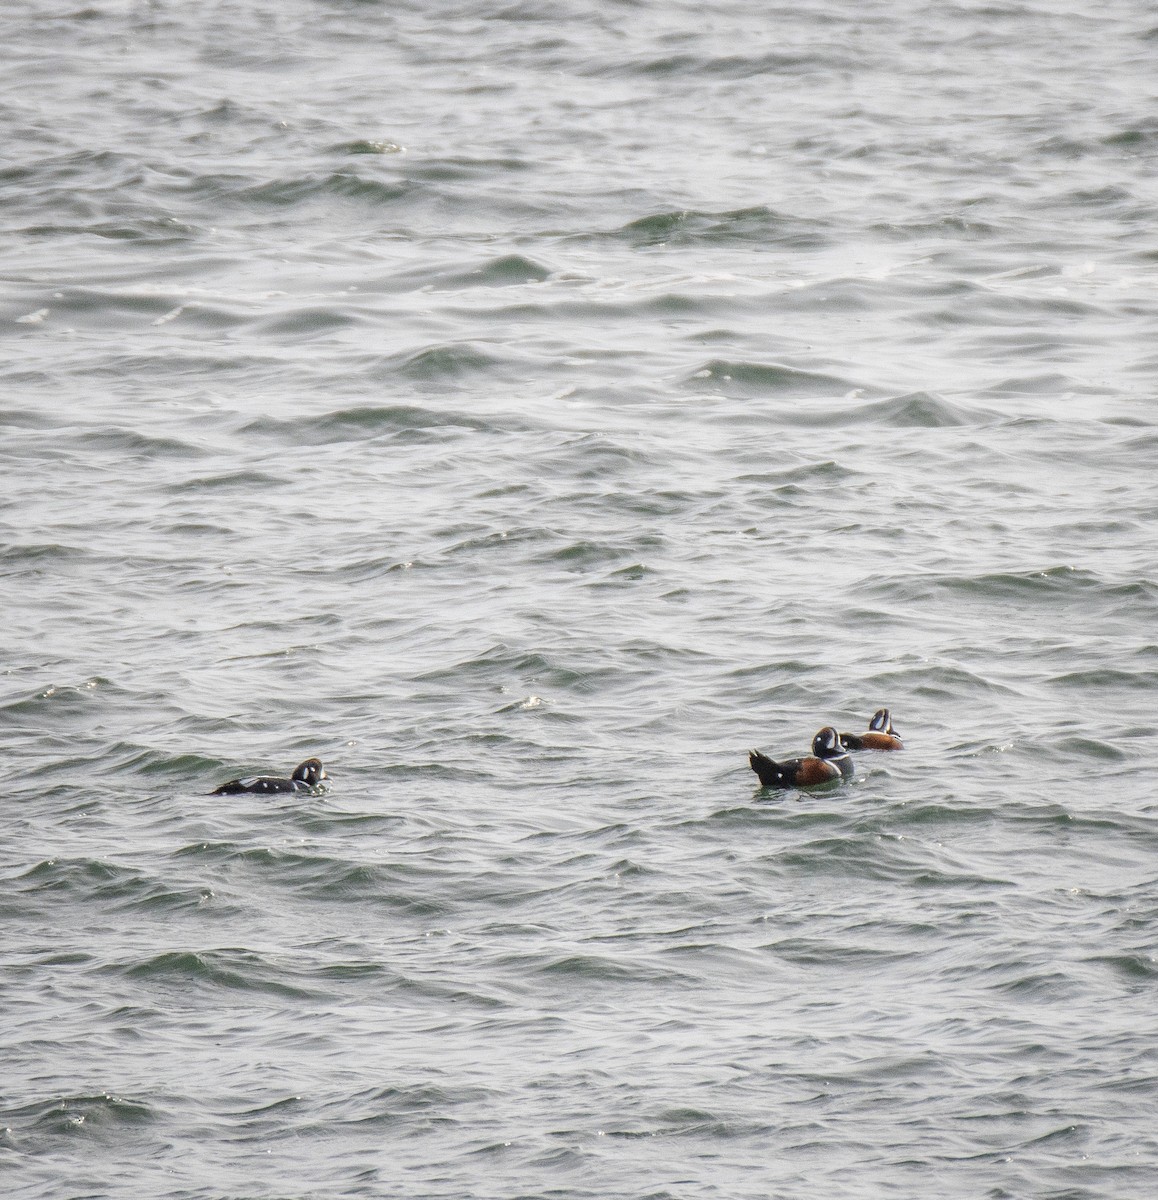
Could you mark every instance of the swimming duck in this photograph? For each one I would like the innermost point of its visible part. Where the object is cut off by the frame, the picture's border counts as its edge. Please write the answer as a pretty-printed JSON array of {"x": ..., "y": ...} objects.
[
  {"x": 880, "y": 736},
  {"x": 305, "y": 778},
  {"x": 829, "y": 761}
]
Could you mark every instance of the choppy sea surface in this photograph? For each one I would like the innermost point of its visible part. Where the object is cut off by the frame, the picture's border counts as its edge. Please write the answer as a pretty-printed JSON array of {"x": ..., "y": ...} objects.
[{"x": 528, "y": 409}]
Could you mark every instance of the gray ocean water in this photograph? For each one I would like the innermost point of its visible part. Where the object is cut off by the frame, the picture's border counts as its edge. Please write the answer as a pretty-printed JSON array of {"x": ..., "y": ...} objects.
[{"x": 528, "y": 409}]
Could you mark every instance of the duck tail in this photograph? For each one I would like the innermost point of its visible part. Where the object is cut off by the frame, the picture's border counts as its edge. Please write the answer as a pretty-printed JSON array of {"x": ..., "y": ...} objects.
[{"x": 764, "y": 767}]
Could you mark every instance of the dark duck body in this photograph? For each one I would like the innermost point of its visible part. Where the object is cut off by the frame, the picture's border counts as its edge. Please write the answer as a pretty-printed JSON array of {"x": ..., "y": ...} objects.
[
  {"x": 305, "y": 778},
  {"x": 829, "y": 761},
  {"x": 880, "y": 735}
]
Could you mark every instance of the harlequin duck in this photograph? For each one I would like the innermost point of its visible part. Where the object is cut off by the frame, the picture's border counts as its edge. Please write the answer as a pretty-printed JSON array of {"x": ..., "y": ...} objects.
[
  {"x": 880, "y": 736},
  {"x": 305, "y": 778},
  {"x": 829, "y": 762}
]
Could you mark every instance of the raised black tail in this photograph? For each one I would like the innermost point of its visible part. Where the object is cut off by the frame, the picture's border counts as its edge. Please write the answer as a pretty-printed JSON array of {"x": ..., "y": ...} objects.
[{"x": 765, "y": 768}]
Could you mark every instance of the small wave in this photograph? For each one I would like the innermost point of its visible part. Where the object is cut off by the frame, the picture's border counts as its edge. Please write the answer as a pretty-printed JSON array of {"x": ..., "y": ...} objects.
[
  {"x": 360, "y": 569},
  {"x": 767, "y": 379},
  {"x": 743, "y": 226},
  {"x": 87, "y": 881},
  {"x": 486, "y": 539},
  {"x": 814, "y": 952},
  {"x": 509, "y": 270},
  {"x": 325, "y": 877},
  {"x": 286, "y": 193},
  {"x": 870, "y": 856},
  {"x": 177, "y": 364},
  {"x": 935, "y": 815},
  {"x": 800, "y": 486},
  {"x": 62, "y": 699},
  {"x": 776, "y": 64},
  {"x": 93, "y": 167},
  {"x": 917, "y": 410},
  {"x": 140, "y": 446},
  {"x": 437, "y": 364},
  {"x": 229, "y": 970},
  {"x": 150, "y": 762},
  {"x": 87, "y": 1115},
  {"x": 504, "y": 664},
  {"x": 601, "y": 969},
  {"x": 1061, "y": 584},
  {"x": 367, "y": 146},
  {"x": 243, "y": 481},
  {"x": 368, "y": 421},
  {"x": 530, "y": 703},
  {"x": 383, "y": 886},
  {"x": 850, "y": 406},
  {"x": 625, "y": 577},
  {"x": 1140, "y": 135},
  {"x": 1138, "y": 969},
  {"x": 581, "y": 555},
  {"x": 387, "y": 1105},
  {"x": 1115, "y": 678},
  {"x": 155, "y": 232},
  {"x": 464, "y": 168},
  {"x": 309, "y": 321},
  {"x": 276, "y": 1108},
  {"x": 1026, "y": 981},
  {"x": 49, "y": 554},
  {"x": 1041, "y": 383},
  {"x": 24, "y": 418},
  {"x": 958, "y": 226},
  {"x": 942, "y": 681},
  {"x": 1111, "y": 196}
]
